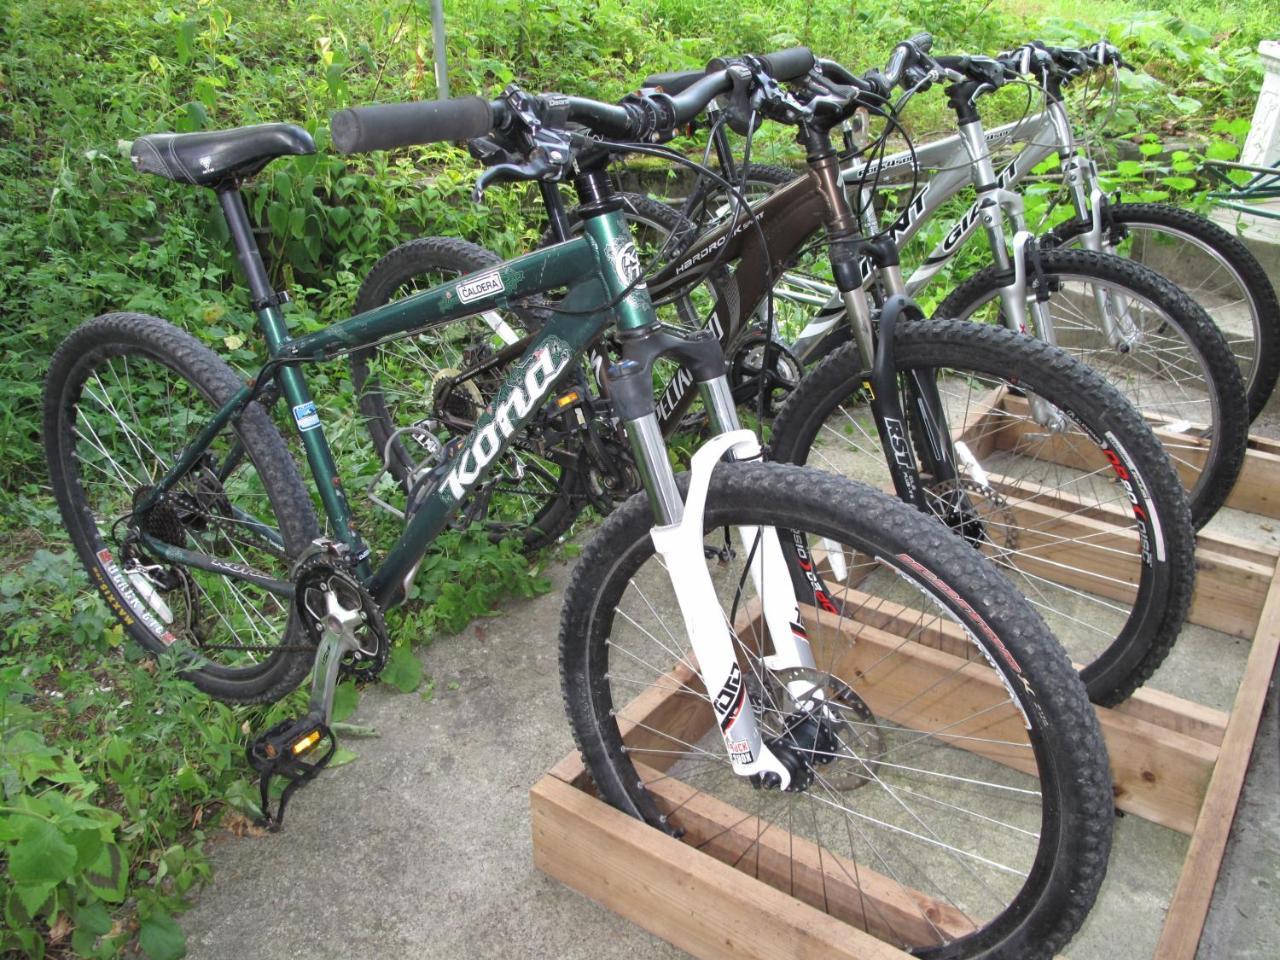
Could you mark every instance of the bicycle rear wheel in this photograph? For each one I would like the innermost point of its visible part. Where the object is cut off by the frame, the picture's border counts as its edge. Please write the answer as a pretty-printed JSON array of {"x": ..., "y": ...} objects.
[
  {"x": 124, "y": 396},
  {"x": 1173, "y": 366},
  {"x": 1083, "y": 512},
  {"x": 960, "y": 801}
]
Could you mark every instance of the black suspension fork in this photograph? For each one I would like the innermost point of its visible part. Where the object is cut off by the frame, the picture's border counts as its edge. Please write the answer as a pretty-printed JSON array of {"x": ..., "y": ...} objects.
[
  {"x": 849, "y": 253},
  {"x": 923, "y": 403}
]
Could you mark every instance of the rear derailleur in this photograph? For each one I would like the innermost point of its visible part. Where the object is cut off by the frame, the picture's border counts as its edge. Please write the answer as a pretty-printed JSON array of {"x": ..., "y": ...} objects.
[{"x": 345, "y": 623}]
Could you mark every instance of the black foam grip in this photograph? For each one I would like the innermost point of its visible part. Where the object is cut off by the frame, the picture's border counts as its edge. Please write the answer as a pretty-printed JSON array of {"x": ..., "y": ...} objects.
[
  {"x": 789, "y": 64},
  {"x": 922, "y": 41},
  {"x": 674, "y": 82},
  {"x": 387, "y": 125}
]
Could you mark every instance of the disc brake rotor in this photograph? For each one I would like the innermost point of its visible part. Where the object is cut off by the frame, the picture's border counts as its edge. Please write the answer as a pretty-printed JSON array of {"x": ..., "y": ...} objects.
[{"x": 978, "y": 512}]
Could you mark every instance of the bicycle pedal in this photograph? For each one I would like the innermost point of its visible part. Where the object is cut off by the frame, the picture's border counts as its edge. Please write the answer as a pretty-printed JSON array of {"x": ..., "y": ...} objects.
[{"x": 281, "y": 752}]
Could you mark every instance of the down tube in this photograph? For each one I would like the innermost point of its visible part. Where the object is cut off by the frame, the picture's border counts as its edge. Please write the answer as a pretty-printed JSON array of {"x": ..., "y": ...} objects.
[{"x": 551, "y": 355}]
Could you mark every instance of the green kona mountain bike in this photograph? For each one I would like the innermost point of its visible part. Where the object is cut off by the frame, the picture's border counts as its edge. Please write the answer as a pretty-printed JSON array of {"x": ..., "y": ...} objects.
[{"x": 945, "y": 770}]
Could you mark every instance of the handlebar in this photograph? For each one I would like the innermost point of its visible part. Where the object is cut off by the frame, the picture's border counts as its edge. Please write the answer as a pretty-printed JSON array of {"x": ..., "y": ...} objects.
[
  {"x": 649, "y": 115},
  {"x": 784, "y": 65},
  {"x": 904, "y": 56},
  {"x": 1061, "y": 63},
  {"x": 387, "y": 125}
]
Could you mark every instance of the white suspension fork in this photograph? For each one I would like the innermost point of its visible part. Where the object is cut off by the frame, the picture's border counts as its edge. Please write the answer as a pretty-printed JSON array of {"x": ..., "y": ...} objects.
[{"x": 714, "y": 645}]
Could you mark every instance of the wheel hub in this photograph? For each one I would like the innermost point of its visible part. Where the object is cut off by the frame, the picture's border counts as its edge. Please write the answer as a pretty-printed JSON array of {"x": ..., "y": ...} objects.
[{"x": 826, "y": 731}]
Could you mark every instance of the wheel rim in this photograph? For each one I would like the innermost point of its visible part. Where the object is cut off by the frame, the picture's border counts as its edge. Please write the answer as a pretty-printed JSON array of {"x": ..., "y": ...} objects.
[
  {"x": 130, "y": 417},
  {"x": 1162, "y": 374},
  {"x": 924, "y": 818},
  {"x": 1049, "y": 511},
  {"x": 1206, "y": 276}
]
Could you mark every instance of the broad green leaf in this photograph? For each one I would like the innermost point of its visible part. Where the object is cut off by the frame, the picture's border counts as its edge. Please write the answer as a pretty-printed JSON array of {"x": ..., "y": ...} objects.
[
  {"x": 186, "y": 39},
  {"x": 345, "y": 700},
  {"x": 88, "y": 844},
  {"x": 278, "y": 216},
  {"x": 41, "y": 854},
  {"x": 342, "y": 756},
  {"x": 93, "y": 918},
  {"x": 1221, "y": 150},
  {"x": 108, "y": 875},
  {"x": 33, "y": 895},
  {"x": 403, "y": 670},
  {"x": 161, "y": 938}
]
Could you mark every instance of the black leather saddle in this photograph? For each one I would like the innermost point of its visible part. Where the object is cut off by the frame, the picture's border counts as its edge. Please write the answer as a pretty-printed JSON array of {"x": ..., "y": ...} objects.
[{"x": 213, "y": 158}]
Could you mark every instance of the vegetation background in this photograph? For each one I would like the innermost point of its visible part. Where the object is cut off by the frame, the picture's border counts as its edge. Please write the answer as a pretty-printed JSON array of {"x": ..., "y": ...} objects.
[{"x": 113, "y": 773}]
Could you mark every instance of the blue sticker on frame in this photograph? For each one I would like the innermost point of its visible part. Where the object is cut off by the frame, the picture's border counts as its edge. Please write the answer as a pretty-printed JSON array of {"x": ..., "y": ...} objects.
[{"x": 304, "y": 414}]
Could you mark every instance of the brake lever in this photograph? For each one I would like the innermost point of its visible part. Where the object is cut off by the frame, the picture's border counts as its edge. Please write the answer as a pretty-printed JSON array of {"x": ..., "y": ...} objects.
[
  {"x": 507, "y": 173},
  {"x": 550, "y": 158}
]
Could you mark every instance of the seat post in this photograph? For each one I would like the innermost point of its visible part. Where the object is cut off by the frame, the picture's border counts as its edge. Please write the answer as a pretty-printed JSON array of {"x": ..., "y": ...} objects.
[{"x": 247, "y": 251}]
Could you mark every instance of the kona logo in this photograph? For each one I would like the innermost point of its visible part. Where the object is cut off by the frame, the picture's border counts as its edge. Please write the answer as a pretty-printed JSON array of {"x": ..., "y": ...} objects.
[
  {"x": 507, "y": 413},
  {"x": 626, "y": 261},
  {"x": 482, "y": 286}
]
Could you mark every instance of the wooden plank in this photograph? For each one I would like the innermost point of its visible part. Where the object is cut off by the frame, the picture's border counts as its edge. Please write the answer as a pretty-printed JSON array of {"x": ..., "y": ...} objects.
[
  {"x": 1147, "y": 704},
  {"x": 1159, "y": 774},
  {"x": 1226, "y": 545},
  {"x": 1257, "y": 490},
  {"x": 1189, "y": 906},
  {"x": 693, "y": 901},
  {"x": 820, "y": 877},
  {"x": 673, "y": 709},
  {"x": 1229, "y": 591},
  {"x": 1174, "y": 713},
  {"x": 1264, "y": 445}
]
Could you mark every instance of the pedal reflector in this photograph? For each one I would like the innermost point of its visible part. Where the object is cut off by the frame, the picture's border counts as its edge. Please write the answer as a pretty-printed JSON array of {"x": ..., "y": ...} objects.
[{"x": 306, "y": 743}]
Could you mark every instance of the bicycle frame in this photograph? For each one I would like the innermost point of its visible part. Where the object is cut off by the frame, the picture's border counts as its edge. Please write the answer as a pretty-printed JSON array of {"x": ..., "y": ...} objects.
[
  {"x": 957, "y": 160},
  {"x": 591, "y": 266}
]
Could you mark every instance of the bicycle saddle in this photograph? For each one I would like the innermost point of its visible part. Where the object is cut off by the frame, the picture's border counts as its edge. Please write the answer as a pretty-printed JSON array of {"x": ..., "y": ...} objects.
[{"x": 214, "y": 157}]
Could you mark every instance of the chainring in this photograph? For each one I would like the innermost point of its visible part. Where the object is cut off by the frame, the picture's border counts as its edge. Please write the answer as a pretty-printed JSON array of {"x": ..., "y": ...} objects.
[
  {"x": 319, "y": 572},
  {"x": 747, "y": 374}
]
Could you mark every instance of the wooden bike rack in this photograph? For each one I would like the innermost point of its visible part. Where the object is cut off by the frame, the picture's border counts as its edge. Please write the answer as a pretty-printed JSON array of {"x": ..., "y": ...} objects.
[{"x": 1175, "y": 762}]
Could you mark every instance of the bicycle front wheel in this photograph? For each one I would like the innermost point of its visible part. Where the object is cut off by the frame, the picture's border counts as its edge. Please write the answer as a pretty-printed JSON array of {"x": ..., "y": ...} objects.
[
  {"x": 1164, "y": 356},
  {"x": 1060, "y": 483},
  {"x": 124, "y": 396},
  {"x": 955, "y": 797},
  {"x": 1214, "y": 268}
]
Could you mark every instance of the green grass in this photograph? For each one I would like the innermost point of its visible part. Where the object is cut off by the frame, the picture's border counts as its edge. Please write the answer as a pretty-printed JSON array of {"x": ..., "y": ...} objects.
[{"x": 112, "y": 772}]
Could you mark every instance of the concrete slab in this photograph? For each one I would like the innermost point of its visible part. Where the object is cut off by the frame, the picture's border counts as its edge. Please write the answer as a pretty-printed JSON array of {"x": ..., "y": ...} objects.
[{"x": 421, "y": 848}]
